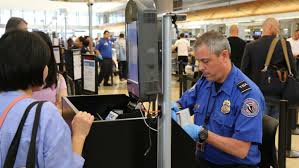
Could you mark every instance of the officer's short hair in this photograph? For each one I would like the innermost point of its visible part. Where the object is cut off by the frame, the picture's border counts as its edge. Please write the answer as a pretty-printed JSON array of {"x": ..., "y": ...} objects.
[
  {"x": 215, "y": 41},
  {"x": 13, "y": 23},
  {"x": 23, "y": 57}
]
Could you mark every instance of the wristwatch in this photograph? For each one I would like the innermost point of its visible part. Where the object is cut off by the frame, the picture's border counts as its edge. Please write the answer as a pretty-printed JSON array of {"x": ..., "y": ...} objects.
[
  {"x": 202, "y": 137},
  {"x": 203, "y": 134}
]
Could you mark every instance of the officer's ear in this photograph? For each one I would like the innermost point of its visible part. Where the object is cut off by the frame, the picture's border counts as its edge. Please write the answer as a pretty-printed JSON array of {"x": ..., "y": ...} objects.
[{"x": 225, "y": 54}]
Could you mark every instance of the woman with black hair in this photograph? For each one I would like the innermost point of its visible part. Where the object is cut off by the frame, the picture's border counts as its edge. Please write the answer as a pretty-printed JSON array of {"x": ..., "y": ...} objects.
[
  {"x": 55, "y": 87},
  {"x": 82, "y": 43},
  {"x": 24, "y": 57}
]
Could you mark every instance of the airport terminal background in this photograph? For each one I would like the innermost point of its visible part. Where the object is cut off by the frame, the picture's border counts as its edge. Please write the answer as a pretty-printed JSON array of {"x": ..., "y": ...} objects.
[{"x": 70, "y": 20}]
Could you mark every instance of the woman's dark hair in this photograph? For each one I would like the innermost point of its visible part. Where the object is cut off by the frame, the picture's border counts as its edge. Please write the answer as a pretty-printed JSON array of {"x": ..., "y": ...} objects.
[
  {"x": 23, "y": 57},
  {"x": 70, "y": 43},
  {"x": 86, "y": 41},
  {"x": 13, "y": 23},
  {"x": 52, "y": 66},
  {"x": 81, "y": 39}
]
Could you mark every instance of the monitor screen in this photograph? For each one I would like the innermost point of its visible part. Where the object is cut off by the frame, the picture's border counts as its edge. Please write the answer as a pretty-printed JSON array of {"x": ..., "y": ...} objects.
[
  {"x": 257, "y": 33},
  {"x": 133, "y": 52}
]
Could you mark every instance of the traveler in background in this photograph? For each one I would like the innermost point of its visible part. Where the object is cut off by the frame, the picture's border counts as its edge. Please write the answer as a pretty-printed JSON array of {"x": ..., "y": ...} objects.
[
  {"x": 89, "y": 44},
  {"x": 120, "y": 46},
  {"x": 16, "y": 23},
  {"x": 237, "y": 46},
  {"x": 55, "y": 86},
  {"x": 70, "y": 43},
  {"x": 24, "y": 57},
  {"x": 82, "y": 44},
  {"x": 294, "y": 41},
  {"x": 104, "y": 48},
  {"x": 255, "y": 56},
  {"x": 183, "y": 47}
]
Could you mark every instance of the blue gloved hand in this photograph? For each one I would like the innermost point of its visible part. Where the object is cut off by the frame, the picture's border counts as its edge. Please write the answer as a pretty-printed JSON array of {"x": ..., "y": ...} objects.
[
  {"x": 174, "y": 109},
  {"x": 192, "y": 130},
  {"x": 100, "y": 57}
]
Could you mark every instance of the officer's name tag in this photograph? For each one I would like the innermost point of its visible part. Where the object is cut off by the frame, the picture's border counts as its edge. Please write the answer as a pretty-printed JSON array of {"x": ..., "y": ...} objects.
[{"x": 184, "y": 117}]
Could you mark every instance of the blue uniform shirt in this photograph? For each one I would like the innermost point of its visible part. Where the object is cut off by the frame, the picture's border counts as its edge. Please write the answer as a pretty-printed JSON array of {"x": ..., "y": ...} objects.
[
  {"x": 53, "y": 145},
  {"x": 105, "y": 48},
  {"x": 236, "y": 111}
]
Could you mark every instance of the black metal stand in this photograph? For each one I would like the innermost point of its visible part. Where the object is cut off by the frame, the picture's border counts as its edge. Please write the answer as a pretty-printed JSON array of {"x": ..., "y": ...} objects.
[
  {"x": 282, "y": 133},
  {"x": 290, "y": 118},
  {"x": 180, "y": 78},
  {"x": 295, "y": 126}
]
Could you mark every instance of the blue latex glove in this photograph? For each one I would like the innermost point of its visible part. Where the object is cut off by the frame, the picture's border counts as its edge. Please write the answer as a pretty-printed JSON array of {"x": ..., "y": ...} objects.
[
  {"x": 100, "y": 57},
  {"x": 192, "y": 130},
  {"x": 174, "y": 109}
]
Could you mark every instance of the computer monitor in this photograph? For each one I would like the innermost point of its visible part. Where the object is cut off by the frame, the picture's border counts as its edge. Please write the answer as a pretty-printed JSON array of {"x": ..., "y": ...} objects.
[
  {"x": 142, "y": 50},
  {"x": 133, "y": 61},
  {"x": 257, "y": 33}
]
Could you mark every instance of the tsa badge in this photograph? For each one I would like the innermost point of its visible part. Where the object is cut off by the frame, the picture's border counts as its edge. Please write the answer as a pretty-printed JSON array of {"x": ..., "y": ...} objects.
[{"x": 225, "y": 107}]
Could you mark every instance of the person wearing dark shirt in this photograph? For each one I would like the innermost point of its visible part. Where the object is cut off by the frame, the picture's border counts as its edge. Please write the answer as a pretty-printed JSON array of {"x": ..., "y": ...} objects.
[
  {"x": 237, "y": 45},
  {"x": 255, "y": 56}
]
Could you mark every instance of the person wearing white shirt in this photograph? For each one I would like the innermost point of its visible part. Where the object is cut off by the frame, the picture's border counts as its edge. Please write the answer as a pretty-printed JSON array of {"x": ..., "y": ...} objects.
[
  {"x": 183, "y": 47},
  {"x": 294, "y": 41}
]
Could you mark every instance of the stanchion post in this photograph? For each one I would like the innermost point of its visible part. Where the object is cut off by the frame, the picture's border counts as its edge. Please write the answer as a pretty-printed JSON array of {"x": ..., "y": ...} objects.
[
  {"x": 282, "y": 134},
  {"x": 164, "y": 134}
]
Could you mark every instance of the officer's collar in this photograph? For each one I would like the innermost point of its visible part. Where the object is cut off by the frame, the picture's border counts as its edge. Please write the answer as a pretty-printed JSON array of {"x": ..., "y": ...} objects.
[{"x": 228, "y": 84}]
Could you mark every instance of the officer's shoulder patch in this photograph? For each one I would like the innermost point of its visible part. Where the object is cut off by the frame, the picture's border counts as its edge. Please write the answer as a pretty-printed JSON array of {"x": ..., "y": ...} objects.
[
  {"x": 243, "y": 87},
  {"x": 250, "y": 107}
]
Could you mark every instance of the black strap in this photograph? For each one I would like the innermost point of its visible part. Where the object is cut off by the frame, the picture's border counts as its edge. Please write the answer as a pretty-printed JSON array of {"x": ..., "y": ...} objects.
[
  {"x": 31, "y": 156},
  {"x": 14, "y": 146}
]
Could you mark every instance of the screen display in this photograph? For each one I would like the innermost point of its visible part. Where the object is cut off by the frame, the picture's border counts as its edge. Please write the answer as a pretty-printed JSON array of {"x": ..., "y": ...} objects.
[
  {"x": 56, "y": 54},
  {"x": 132, "y": 52},
  {"x": 257, "y": 33}
]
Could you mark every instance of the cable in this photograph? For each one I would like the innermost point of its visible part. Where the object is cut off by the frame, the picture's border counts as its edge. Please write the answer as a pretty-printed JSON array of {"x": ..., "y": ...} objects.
[
  {"x": 146, "y": 122},
  {"x": 150, "y": 143}
]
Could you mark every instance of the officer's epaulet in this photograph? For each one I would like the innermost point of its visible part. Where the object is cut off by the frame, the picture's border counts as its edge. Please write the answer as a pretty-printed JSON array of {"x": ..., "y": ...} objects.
[{"x": 243, "y": 87}]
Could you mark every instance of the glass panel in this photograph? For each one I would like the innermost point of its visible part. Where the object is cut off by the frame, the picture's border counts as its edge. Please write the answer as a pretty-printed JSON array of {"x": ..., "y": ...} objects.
[
  {"x": 17, "y": 13},
  {"x": 29, "y": 17},
  {"x": 5, "y": 15},
  {"x": 72, "y": 18},
  {"x": 83, "y": 17},
  {"x": 39, "y": 18}
]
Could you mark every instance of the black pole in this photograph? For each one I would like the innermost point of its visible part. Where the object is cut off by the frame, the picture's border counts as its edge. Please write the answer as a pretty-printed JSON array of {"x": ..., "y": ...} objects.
[
  {"x": 290, "y": 119},
  {"x": 294, "y": 117},
  {"x": 184, "y": 82},
  {"x": 282, "y": 134},
  {"x": 289, "y": 130},
  {"x": 180, "y": 78},
  {"x": 295, "y": 128}
]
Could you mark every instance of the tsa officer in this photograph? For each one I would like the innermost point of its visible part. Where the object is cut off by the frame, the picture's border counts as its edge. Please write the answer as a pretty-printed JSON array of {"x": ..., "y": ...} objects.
[{"x": 227, "y": 107}]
